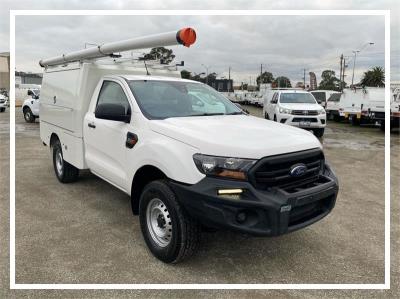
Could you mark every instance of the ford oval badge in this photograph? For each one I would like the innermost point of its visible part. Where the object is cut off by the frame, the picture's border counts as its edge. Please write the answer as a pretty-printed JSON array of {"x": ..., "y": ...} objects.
[{"x": 298, "y": 170}]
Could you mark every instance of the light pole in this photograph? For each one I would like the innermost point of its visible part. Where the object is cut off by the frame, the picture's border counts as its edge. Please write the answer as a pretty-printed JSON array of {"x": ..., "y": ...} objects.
[
  {"x": 355, "y": 57},
  {"x": 206, "y": 67}
]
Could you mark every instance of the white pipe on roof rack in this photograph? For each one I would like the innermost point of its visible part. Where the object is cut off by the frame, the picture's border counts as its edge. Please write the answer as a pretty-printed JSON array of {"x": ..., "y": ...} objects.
[{"x": 185, "y": 36}]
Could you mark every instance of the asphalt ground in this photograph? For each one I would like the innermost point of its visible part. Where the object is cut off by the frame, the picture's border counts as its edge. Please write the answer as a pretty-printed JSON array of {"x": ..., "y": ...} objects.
[{"x": 85, "y": 232}]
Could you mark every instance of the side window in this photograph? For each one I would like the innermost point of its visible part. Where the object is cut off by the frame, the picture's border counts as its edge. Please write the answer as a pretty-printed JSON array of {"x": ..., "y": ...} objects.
[{"x": 112, "y": 93}]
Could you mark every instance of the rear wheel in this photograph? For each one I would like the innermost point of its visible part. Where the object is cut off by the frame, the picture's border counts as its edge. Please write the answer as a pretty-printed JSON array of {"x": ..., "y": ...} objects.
[
  {"x": 2, "y": 109},
  {"x": 169, "y": 232},
  {"x": 28, "y": 115},
  {"x": 275, "y": 118},
  {"x": 266, "y": 115},
  {"x": 65, "y": 172}
]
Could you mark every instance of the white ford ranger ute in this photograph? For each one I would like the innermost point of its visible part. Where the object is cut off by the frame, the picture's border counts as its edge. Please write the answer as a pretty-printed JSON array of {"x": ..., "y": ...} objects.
[{"x": 187, "y": 156}]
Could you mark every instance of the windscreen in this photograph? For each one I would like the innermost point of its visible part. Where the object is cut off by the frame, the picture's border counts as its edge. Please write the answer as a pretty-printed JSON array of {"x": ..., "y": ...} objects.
[
  {"x": 165, "y": 99},
  {"x": 297, "y": 98},
  {"x": 319, "y": 96},
  {"x": 335, "y": 97}
]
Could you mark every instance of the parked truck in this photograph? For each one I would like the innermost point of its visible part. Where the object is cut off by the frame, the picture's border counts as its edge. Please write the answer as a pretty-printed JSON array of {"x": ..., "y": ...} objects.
[
  {"x": 322, "y": 96},
  {"x": 395, "y": 109},
  {"x": 373, "y": 106},
  {"x": 184, "y": 165}
]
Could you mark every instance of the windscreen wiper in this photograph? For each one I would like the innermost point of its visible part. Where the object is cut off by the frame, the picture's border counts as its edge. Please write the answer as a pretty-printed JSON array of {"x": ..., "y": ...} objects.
[
  {"x": 235, "y": 113},
  {"x": 207, "y": 114}
]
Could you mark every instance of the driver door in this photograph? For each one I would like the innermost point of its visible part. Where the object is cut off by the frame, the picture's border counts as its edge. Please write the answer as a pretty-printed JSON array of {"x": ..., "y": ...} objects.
[{"x": 105, "y": 140}]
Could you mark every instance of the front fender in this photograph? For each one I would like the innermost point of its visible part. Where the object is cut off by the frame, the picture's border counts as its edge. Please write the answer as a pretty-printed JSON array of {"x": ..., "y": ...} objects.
[{"x": 172, "y": 157}]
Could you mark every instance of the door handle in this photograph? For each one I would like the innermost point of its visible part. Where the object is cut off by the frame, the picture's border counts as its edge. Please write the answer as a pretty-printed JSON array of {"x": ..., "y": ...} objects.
[{"x": 91, "y": 125}]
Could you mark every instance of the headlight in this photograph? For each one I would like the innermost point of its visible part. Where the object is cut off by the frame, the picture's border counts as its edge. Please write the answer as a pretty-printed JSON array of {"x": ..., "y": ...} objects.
[
  {"x": 322, "y": 111},
  {"x": 285, "y": 111},
  {"x": 234, "y": 168}
]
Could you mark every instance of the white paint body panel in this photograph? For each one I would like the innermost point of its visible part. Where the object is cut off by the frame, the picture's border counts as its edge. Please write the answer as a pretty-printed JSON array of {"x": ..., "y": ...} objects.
[
  {"x": 33, "y": 104},
  {"x": 166, "y": 144}
]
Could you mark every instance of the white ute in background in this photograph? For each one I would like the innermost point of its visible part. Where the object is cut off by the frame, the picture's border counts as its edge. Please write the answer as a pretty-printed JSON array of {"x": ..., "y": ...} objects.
[
  {"x": 3, "y": 103},
  {"x": 186, "y": 155},
  {"x": 296, "y": 108},
  {"x": 30, "y": 107}
]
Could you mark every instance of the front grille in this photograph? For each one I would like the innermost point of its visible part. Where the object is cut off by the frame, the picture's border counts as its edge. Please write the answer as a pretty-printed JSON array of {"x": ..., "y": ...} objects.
[
  {"x": 274, "y": 171},
  {"x": 309, "y": 211},
  {"x": 299, "y": 119},
  {"x": 304, "y": 112}
]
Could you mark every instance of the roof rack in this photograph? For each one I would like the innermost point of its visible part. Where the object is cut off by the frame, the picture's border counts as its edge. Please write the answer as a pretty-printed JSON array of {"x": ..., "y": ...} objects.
[{"x": 185, "y": 37}]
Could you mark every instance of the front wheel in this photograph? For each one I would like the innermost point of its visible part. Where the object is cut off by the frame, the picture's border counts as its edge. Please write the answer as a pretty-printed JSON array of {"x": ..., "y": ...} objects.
[
  {"x": 65, "y": 172},
  {"x": 169, "y": 232},
  {"x": 28, "y": 115},
  {"x": 319, "y": 132}
]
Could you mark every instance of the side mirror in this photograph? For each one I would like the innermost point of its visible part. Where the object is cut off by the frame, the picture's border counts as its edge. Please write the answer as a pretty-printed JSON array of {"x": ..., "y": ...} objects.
[
  {"x": 241, "y": 108},
  {"x": 116, "y": 112},
  {"x": 30, "y": 93}
]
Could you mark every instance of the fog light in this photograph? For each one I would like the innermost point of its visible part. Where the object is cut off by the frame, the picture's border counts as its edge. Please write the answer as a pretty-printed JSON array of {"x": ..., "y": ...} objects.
[
  {"x": 241, "y": 217},
  {"x": 230, "y": 193}
]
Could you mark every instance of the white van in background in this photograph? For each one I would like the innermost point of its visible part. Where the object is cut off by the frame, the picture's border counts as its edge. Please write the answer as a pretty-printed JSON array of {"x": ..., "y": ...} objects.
[{"x": 296, "y": 108}]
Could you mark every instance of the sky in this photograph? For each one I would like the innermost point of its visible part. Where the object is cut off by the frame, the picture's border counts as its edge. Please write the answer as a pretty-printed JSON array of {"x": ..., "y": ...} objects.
[{"x": 285, "y": 45}]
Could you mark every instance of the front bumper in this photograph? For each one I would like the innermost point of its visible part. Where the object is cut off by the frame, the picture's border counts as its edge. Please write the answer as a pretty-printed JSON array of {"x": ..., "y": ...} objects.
[{"x": 268, "y": 212}]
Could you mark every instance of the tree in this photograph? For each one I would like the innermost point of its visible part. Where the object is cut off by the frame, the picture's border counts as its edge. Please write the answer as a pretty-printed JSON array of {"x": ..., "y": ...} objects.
[
  {"x": 165, "y": 55},
  {"x": 186, "y": 74},
  {"x": 211, "y": 77},
  {"x": 265, "y": 77},
  {"x": 283, "y": 81},
  {"x": 374, "y": 77},
  {"x": 329, "y": 81}
]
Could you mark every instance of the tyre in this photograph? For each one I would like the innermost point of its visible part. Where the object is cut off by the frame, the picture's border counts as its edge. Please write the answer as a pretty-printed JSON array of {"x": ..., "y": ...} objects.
[
  {"x": 275, "y": 118},
  {"x": 65, "y": 172},
  {"x": 382, "y": 126},
  {"x": 2, "y": 109},
  {"x": 266, "y": 115},
  {"x": 28, "y": 115},
  {"x": 319, "y": 132},
  {"x": 336, "y": 118},
  {"x": 169, "y": 232},
  {"x": 354, "y": 121}
]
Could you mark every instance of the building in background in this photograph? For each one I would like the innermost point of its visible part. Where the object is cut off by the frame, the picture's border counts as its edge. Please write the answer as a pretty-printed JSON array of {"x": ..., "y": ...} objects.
[
  {"x": 5, "y": 71},
  {"x": 313, "y": 81},
  {"x": 28, "y": 78}
]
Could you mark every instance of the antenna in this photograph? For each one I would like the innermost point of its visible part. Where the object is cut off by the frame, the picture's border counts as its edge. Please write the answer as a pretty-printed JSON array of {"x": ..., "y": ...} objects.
[{"x": 185, "y": 37}]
